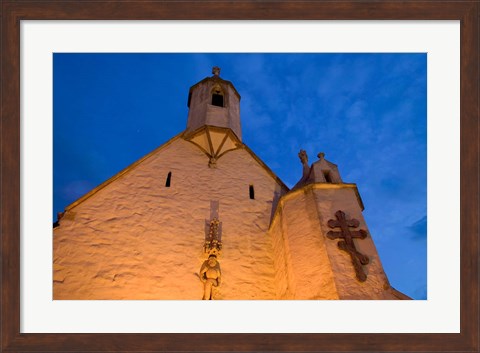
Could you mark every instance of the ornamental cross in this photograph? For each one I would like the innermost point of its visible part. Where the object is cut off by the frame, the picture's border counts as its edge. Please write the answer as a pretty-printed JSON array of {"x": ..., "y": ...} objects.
[{"x": 347, "y": 244}]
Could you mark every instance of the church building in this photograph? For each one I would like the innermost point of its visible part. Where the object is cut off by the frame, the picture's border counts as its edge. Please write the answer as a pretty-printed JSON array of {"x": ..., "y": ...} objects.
[{"x": 202, "y": 216}]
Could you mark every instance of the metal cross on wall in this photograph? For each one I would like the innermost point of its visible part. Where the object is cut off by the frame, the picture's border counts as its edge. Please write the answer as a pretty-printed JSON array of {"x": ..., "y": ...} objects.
[{"x": 347, "y": 244}]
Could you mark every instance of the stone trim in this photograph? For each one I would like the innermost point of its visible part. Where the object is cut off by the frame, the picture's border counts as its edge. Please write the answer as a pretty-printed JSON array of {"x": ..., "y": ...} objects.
[
  {"x": 308, "y": 187},
  {"x": 181, "y": 135},
  {"x": 189, "y": 135}
]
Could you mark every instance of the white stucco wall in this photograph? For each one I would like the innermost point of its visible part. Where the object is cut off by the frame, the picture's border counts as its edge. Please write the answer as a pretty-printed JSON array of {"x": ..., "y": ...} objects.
[
  {"x": 137, "y": 239},
  {"x": 303, "y": 267}
]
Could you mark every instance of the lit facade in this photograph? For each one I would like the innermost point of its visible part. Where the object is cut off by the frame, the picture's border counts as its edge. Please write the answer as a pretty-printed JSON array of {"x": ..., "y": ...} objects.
[{"x": 150, "y": 231}]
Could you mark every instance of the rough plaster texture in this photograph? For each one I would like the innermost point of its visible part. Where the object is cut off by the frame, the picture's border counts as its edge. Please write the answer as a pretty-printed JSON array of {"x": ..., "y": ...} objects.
[
  {"x": 314, "y": 267},
  {"x": 302, "y": 265},
  {"x": 137, "y": 239}
]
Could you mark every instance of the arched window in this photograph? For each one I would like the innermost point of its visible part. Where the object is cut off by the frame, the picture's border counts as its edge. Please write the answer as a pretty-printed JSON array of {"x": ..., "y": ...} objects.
[
  {"x": 327, "y": 175},
  {"x": 217, "y": 97}
]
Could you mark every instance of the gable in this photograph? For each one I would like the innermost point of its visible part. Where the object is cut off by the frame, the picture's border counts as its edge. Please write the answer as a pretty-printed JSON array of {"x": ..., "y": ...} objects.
[
  {"x": 154, "y": 155},
  {"x": 137, "y": 238}
]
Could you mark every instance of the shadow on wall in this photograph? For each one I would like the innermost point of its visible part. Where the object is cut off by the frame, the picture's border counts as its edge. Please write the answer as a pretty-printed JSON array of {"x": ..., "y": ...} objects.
[{"x": 276, "y": 197}]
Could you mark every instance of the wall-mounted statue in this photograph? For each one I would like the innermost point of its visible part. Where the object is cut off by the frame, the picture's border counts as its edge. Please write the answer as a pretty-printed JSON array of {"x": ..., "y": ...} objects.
[{"x": 210, "y": 275}]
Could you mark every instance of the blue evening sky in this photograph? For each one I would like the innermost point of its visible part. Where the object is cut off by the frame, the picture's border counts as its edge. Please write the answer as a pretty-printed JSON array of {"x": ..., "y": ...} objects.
[{"x": 367, "y": 112}]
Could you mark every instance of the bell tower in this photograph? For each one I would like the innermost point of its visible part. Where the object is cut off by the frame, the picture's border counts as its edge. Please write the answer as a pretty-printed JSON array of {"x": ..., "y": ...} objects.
[{"x": 214, "y": 116}]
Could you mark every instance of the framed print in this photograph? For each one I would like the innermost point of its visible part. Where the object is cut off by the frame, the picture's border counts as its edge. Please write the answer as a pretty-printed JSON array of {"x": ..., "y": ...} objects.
[
  {"x": 109, "y": 278},
  {"x": 37, "y": 36}
]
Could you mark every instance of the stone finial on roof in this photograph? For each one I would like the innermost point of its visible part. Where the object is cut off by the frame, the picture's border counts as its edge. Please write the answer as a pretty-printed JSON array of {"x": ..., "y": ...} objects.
[
  {"x": 303, "y": 156},
  {"x": 305, "y": 170},
  {"x": 322, "y": 171},
  {"x": 216, "y": 70}
]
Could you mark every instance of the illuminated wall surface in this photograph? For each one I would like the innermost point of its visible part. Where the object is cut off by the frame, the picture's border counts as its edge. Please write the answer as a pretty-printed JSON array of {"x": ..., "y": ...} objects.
[{"x": 142, "y": 234}]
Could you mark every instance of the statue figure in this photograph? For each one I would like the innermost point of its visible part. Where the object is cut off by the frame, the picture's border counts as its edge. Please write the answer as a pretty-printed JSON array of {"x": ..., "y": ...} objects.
[
  {"x": 306, "y": 169},
  {"x": 210, "y": 275},
  {"x": 303, "y": 157}
]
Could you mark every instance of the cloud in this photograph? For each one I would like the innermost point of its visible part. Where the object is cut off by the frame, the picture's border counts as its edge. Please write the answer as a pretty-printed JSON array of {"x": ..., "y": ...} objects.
[
  {"x": 420, "y": 293},
  {"x": 419, "y": 229}
]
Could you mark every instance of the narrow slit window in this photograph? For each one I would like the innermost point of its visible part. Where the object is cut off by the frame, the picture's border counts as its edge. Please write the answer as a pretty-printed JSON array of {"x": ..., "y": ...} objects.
[
  {"x": 169, "y": 180},
  {"x": 189, "y": 99},
  {"x": 251, "y": 192},
  {"x": 217, "y": 99},
  {"x": 328, "y": 177}
]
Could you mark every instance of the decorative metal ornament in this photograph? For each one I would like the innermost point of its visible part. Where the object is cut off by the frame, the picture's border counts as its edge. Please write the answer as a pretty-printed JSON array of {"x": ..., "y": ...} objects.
[
  {"x": 347, "y": 244},
  {"x": 213, "y": 240}
]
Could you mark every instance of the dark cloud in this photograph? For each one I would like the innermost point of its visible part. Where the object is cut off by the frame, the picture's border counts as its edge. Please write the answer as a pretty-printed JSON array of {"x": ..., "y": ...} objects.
[{"x": 419, "y": 229}]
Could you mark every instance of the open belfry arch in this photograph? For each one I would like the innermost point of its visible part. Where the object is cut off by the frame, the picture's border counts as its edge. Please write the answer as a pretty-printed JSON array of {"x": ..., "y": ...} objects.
[{"x": 203, "y": 217}]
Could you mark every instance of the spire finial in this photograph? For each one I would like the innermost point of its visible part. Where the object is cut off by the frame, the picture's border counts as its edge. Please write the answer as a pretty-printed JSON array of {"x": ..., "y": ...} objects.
[
  {"x": 216, "y": 71},
  {"x": 303, "y": 157}
]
